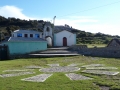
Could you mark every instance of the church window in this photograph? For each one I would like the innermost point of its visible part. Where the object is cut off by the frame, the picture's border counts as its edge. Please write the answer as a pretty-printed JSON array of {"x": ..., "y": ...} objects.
[{"x": 48, "y": 29}]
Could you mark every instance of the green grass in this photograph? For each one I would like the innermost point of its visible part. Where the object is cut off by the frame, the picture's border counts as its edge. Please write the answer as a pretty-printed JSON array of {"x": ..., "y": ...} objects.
[
  {"x": 97, "y": 45},
  {"x": 58, "y": 81}
]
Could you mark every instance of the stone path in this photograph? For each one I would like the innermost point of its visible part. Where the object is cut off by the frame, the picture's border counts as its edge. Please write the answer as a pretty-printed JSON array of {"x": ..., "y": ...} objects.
[
  {"x": 101, "y": 72},
  {"x": 18, "y": 70},
  {"x": 60, "y": 69},
  {"x": 38, "y": 78},
  {"x": 74, "y": 76},
  {"x": 101, "y": 68},
  {"x": 33, "y": 67},
  {"x": 92, "y": 68},
  {"x": 93, "y": 65},
  {"x": 15, "y": 74}
]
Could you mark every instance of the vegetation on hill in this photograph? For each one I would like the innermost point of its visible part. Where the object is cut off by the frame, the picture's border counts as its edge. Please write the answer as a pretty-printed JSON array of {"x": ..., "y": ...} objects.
[
  {"x": 90, "y": 38},
  {"x": 8, "y": 25}
]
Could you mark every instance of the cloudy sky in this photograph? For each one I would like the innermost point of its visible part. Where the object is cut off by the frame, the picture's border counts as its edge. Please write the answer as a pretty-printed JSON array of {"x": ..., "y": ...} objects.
[{"x": 88, "y": 15}]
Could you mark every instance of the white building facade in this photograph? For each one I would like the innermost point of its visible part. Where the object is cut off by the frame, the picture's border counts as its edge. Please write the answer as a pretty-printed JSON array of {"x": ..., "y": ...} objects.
[
  {"x": 64, "y": 38},
  {"x": 27, "y": 34}
]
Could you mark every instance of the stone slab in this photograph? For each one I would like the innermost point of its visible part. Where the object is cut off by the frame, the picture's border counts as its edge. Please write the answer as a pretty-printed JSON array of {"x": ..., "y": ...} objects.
[
  {"x": 93, "y": 65},
  {"x": 33, "y": 67},
  {"x": 18, "y": 70},
  {"x": 38, "y": 78},
  {"x": 101, "y": 68},
  {"x": 101, "y": 72},
  {"x": 74, "y": 76},
  {"x": 15, "y": 74},
  {"x": 60, "y": 69}
]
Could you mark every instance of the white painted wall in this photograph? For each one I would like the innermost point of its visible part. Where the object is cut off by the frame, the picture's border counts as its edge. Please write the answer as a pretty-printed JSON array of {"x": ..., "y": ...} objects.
[
  {"x": 71, "y": 38},
  {"x": 27, "y": 32},
  {"x": 47, "y": 33}
]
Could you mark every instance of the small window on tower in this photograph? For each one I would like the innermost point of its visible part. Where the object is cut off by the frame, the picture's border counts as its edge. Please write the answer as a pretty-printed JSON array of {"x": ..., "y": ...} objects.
[{"x": 48, "y": 29}]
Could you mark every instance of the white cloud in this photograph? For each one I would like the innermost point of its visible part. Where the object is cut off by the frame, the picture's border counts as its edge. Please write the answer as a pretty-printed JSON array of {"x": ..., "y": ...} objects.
[
  {"x": 12, "y": 11},
  {"x": 86, "y": 23}
]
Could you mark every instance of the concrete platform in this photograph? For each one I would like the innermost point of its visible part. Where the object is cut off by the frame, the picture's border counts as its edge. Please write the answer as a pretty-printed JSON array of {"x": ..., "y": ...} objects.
[{"x": 53, "y": 52}]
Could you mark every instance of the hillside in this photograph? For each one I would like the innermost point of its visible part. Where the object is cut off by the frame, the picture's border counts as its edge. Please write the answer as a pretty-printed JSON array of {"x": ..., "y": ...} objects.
[{"x": 8, "y": 25}]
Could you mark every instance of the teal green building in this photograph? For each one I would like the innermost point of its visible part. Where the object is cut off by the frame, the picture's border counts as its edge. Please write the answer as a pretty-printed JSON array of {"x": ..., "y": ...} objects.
[
  {"x": 26, "y": 41},
  {"x": 25, "y": 45}
]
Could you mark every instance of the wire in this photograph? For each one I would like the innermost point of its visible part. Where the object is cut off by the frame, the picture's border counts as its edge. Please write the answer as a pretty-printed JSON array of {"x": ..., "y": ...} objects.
[{"x": 90, "y": 9}]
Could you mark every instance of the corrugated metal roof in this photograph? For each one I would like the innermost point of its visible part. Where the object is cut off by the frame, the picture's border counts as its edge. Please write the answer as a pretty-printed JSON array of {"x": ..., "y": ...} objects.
[{"x": 23, "y": 39}]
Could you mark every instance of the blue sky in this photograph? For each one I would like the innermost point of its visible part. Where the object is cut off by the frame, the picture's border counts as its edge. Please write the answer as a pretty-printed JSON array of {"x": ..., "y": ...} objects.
[{"x": 88, "y": 15}]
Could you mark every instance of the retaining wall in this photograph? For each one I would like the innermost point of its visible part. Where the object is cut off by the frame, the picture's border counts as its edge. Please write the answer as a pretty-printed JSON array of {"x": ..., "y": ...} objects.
[{"x": 100, "y": 52}]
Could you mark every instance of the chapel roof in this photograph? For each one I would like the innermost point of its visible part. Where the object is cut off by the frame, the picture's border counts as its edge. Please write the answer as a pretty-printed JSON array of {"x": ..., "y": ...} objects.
[{"x": 58, "y": 29}]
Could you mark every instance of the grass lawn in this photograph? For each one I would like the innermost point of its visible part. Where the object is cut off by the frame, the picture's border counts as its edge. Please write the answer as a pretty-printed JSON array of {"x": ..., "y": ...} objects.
[
  {"x": 97, "y": 45},
  {"x": 58, "y": 81}
]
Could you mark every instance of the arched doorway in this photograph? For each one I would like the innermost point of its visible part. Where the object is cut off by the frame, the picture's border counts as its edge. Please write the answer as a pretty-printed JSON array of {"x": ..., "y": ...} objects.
[
  {"x": 64, "y": 41},
  {"x": 49, "y": 41}
]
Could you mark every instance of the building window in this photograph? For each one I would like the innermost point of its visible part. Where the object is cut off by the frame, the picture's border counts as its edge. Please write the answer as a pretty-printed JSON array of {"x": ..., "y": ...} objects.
[
  {"x": 25, "y": 35},
  {"x": 31, "y": 35},
  {"x": 37, "y": 36},
  {"x": 19, "y": 35}
]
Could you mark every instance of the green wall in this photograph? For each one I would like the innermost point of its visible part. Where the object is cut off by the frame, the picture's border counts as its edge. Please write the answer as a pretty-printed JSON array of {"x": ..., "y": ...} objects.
[
  {"x": 54, "y": 40},
  {"x": 26, "y": 47}
]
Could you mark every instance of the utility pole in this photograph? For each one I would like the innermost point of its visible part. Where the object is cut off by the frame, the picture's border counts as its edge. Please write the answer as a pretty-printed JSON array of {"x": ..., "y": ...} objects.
[{"x": 53, "y": 29}]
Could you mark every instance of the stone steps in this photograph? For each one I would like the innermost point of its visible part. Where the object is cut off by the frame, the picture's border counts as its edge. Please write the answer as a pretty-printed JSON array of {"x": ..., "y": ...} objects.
[{"x": 52, "y": 52}]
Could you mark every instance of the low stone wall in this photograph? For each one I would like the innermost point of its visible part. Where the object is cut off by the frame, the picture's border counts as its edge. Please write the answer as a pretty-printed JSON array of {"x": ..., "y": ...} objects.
[
  {"x": 100, "y": 52},
  {"x": 78, "y": 47}
]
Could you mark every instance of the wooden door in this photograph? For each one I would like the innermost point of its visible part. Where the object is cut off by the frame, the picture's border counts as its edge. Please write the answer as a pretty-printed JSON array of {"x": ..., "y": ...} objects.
[{"x": 64, "y": 41}]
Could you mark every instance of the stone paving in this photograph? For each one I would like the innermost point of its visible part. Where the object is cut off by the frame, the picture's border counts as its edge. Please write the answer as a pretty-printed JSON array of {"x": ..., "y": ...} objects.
[
  {"x": 33, "y": 67},
  {"x": 60, "y": 69},
  {"x": 101, "y": 72},
  {"x": 18, "y": 70},
  {"x": 70, "y": 69},
  {"x": 74, "y": 76},
  {"x": 93, "y": 65},
  {"x": 101, "y": 68},
  {"x": 38, "y": 78},
  {"x": 15, "y": 74}
]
